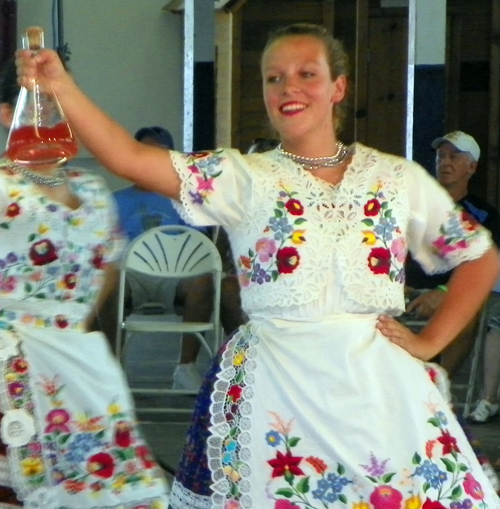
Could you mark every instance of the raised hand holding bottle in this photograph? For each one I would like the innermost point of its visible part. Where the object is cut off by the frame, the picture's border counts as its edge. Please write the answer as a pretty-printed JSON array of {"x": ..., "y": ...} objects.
[{"x": 40, "y": 134}]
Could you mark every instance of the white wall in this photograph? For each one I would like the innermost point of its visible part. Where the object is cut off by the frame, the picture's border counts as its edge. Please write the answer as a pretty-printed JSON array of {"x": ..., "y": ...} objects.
[{"x": 127, "y": 55}]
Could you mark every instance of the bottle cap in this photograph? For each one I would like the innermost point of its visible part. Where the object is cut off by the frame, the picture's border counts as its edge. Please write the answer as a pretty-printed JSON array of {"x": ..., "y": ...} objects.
[{"x": 33, "y": 38}]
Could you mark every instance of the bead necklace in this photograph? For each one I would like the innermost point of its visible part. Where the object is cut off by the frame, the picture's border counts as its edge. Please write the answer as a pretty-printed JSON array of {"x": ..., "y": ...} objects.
[
  {"x": 311, "y": 163},
  {"x": 57, "y": 179}
]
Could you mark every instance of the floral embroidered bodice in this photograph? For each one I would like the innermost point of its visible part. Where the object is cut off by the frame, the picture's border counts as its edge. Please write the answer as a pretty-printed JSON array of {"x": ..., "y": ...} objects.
[
  {"x": 52, "y": 258},
  {"x": 305, "y": 248}
]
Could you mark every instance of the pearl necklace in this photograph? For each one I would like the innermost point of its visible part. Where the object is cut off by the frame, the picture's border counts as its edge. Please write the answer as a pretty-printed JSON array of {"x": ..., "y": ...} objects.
[
  {"x": 57, "y": 179},
  {"x": 311, "y": 163}
]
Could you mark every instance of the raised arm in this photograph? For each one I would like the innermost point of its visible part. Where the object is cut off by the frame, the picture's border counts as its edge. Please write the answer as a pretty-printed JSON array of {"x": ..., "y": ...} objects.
[{"x": 149, "y": 167}]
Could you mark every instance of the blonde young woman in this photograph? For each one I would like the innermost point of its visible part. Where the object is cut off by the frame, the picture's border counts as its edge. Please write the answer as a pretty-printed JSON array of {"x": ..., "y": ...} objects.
[{"x": 323, "y": 399}]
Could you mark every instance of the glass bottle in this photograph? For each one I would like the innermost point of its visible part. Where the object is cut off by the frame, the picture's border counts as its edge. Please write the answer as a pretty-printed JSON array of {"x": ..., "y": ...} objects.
[{"x": 40, "y": 134}]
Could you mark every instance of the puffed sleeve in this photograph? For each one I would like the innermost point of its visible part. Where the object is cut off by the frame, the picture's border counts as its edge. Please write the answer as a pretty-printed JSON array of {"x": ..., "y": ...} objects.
[
  {"x": 216, "y": 186},
  {"x": 441, "y": 235}
]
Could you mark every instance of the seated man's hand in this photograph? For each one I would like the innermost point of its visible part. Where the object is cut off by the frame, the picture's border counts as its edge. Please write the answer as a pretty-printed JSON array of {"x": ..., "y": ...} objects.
[{"x": 426, "y": 303}]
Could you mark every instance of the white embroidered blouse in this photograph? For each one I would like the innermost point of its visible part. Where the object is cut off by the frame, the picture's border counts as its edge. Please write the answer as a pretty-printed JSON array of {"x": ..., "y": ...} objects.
[{"x": 304, "y": 248}]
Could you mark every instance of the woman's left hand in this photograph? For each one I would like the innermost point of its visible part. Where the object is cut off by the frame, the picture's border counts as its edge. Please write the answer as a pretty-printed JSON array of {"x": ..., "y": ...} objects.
[{"x": 402, "y": 336}]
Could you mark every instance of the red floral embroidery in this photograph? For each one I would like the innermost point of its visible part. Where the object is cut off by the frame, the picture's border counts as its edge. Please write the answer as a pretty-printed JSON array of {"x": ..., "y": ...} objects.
[
  {"x": 101, "y": 465},
  {"x": 13, "y": 210},
  {"x": 285, "y": 464},
  {"x": 20, "y": 365},
  {"x": 246, "y": 262},
  {"x": 449, "y": 442},
  {"x": 381, "y": 231},
  {"x": 318, "y": 464},
  {"x": 123, "y": 436},
  {"x": 74, "y": 486},
  {"x": 469, "y": 222},
  {"x": 70, "y": 281},
  {"x": 379, "y": 260},
  {"x": 287, "y": 259},
  {"x": 433, "y": 504},
  {"x": 61, "y": 321},
  {"x": 372, "y": 207},
  {"x": 43, "y": 252},
  {"x": 235, "y": 392},
  {"x": 98, "y": 258},
  {"x": 294, "y": 207},
  {"x": 144, "y": 454},
  {"x": 272, "y": 255}
]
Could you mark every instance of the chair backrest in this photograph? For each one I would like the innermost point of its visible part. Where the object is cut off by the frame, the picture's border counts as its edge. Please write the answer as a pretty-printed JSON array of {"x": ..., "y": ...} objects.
[{"x": 172, "y": 251}]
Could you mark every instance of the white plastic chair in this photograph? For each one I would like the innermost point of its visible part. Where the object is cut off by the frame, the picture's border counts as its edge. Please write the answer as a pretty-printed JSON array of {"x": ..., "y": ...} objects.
[{"x": 170, "y": 252}]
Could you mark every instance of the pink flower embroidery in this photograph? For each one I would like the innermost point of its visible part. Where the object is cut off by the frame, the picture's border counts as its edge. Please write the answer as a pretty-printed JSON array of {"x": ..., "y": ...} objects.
[
  {"x": 57, "y": 420},
  {"x": 205, "y": 185},
  {"x": 398, "y": 249},
  {"x": 265, "y": 249},
  {"x": 285, "y": 504},
  {"x": 472, "y": 487},
  {"x": 386, "y": 497}
]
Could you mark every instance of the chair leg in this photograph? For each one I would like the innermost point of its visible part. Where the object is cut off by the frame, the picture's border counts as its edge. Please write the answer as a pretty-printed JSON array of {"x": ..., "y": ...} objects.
[{"x": 475, "y": 362}]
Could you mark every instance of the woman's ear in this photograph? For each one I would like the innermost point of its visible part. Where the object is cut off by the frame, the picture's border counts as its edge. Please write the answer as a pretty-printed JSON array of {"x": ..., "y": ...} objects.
[
  {"x": 6, "y": 114},
  {"x": 339, "y": 89}
]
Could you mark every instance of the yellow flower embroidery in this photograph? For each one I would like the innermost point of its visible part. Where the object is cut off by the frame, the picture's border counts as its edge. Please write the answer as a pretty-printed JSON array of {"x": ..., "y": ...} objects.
[
  {"x": 233, "y": 474},
  {"x": 361, "y": 505},
  {"x": 238, "y": 359},
  {"x": 43, "y": 228},
  {"x": 114, "y": 408},
  {"x": 298, "y": 236},
  {"x": 119, "y": 482},
  {"x": 32, "y": 466},
  {"x": 369, "y": 237},
  {"x": 413, "y": 502}
]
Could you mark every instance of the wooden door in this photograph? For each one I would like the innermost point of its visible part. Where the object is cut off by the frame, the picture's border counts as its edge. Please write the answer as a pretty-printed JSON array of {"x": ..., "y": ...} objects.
[{"x": 386, "y": 81}]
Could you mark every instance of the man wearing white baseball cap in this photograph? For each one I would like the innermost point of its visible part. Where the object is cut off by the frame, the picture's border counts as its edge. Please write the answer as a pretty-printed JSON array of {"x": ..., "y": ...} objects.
[
  {"x": 462, "y": 141},
  {"x": 457, "y": 155}
]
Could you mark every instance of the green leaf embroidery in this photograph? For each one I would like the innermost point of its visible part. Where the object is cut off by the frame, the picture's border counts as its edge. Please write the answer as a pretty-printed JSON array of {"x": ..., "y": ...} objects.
[
  {"x": 303, "y": 485},
  {"x": 285, "y": 492}
]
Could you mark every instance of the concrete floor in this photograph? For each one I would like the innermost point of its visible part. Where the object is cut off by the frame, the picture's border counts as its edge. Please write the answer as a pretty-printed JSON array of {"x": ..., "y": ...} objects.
[{"x": 150, "y": 361}]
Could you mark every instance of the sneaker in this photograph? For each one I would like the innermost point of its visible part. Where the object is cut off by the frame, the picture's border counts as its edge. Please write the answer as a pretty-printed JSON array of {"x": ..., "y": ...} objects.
[
  {"x": 187, "y": 378},
  {"x": 484, "y": 412}
]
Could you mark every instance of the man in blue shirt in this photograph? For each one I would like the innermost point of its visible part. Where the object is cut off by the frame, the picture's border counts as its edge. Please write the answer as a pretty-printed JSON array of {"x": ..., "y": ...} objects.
[{"x": 140, "y": 210}]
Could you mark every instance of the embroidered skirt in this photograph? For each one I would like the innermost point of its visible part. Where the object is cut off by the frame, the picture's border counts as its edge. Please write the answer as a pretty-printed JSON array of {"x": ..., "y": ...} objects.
[
  {"x": 328, "y": 414},
  {"x": 69, "y": 425}
]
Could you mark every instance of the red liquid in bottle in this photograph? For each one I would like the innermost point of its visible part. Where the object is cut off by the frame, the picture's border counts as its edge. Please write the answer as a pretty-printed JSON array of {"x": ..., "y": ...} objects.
[{"x": 41, "y": 145}]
